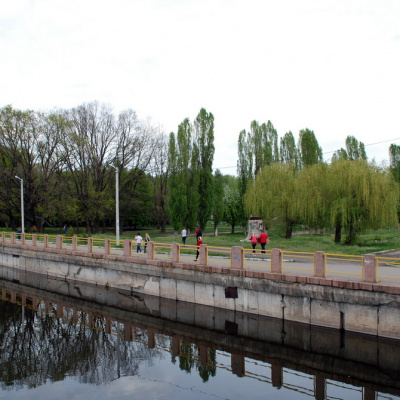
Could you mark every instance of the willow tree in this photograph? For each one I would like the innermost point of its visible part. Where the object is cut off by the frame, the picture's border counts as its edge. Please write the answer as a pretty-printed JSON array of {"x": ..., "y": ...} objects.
[
  {"x": 314, "y": 205},
  {"x": 363, "y": 196},
  {"x": 273, "y": 195}
]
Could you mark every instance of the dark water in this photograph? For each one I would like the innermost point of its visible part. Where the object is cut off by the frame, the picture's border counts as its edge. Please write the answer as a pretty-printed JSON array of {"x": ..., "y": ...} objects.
[{"x": 62, "y": 341}]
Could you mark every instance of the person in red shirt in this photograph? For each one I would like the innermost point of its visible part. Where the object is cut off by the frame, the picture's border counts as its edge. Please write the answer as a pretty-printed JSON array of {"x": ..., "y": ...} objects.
[
  {"x": 199, "y": 242},
  {"x": 263, "y": 238},
  {"x": 254, "y": 241}
]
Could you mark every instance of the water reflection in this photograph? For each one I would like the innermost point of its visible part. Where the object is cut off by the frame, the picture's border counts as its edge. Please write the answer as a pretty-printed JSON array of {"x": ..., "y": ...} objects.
[{"x": 58, "y": 340}]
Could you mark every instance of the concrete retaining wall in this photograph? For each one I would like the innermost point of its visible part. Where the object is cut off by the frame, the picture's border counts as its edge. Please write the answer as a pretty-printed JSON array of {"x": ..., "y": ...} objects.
[{"x": 367, "y": 308}]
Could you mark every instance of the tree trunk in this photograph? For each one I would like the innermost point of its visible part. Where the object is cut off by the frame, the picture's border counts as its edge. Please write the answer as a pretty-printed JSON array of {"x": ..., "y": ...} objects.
[
  {"x": 216, "y": 230},
  {"x": 338, "y": 233},
  {"x": 289, "y": 231},
  {"x": 351, "y": 237}
]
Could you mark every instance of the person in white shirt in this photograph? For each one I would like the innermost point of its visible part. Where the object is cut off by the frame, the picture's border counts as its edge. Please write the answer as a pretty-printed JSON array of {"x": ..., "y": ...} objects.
[
  {"x": 184, "y": 236},
  {"x": 138, "y": 239}
]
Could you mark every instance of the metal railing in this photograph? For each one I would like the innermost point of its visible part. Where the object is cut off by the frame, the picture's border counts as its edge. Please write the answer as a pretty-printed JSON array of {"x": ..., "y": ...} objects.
[{"x": 339, "y": 259}]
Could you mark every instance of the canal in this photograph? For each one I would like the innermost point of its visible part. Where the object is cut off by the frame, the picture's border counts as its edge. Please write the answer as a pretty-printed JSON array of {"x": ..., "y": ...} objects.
[{"x": 64, "y": 341}]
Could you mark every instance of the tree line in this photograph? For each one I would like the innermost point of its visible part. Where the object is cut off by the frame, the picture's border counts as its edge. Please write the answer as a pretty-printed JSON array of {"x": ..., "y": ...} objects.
[{"x": 68, "y": 159}]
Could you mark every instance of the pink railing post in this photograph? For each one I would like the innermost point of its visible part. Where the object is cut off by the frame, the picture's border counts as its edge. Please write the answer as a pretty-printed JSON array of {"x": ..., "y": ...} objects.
[
  {"x": 276, "y": 261},
  {"x": 127, "y": 248},
  {"x": 74, "y": 243},
  {"x": 34, "y": 240},
  {"x": 107, "y": 246},
  {"x": 58, "y": 242},
  {"x": 12, "y": 238},
  {"x": 369, "y": 274},
  {"x": 90, "y": 245},
  {"x": 175, "y": 252},
  {"x": 237, "y": 260},
  {"x": 22, "y": 238},
  {"x": 319, "y": 265},
  {"x": 203, "y": 254},
  {"x": 150, "y": 250},
  {"x": 3, "y": 237},
  {"x": 46, "y": 241}
]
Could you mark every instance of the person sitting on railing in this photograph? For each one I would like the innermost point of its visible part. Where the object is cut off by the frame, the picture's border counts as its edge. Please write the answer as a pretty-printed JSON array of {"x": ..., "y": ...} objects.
[{"x": 199, "y": 242}]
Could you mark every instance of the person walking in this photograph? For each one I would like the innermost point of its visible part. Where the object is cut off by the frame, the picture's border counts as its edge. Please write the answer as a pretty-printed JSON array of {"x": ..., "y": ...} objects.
[
  {"x": 184, "y": 235},
  {"x": 198, "y": 233},
  {"x": 138, "y": 239},
  {"x": 146, "y": 240},
  {"x": 199, "y": 242},
  {"x": 254, "y": 241},
  {"x": 263, "y": 238},
  {"x": 19, "y": 231}
]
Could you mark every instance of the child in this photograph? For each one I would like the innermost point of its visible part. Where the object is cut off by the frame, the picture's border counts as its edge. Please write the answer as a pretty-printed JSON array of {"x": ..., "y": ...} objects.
[
  {"x": 146, "y": 239},
  {"x": 199, "y": 242}
]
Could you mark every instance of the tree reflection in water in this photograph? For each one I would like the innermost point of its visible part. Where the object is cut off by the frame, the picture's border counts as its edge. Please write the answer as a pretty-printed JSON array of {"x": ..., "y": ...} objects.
[{"x": 37, "y": 347}]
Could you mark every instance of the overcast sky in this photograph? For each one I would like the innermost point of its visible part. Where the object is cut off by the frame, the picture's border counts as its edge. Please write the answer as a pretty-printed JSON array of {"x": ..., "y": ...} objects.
[{"x": 331, "y": 66}]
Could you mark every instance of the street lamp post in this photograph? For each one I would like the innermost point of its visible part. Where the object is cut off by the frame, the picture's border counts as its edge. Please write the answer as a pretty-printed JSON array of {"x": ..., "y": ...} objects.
[
  {"x": 22, "y": 204},
  {"x": 117, "y": 205}
]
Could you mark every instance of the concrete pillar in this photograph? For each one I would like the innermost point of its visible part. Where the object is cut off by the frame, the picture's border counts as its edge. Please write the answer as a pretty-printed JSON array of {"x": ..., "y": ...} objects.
[
  {"x": 237, "y": 257},
  {"x": 127, "y": 248},
  {"x": 319, "y": 388},
  {"x": 107, "y": 247},
  {"x": 276, "y": 262},
  {"x": 128, "y": 331},
  {"x": 237, "y": 364},
  {"x": 59, "y": 310},
  {"x": 276, "y": 375},
  {"x": 150, "y": 250},
  {"x": 75, "y": 315},
  {"x": 46, "y": 241},
  {"x": 3, "y": 237},
  {"x": 90, "y": 245},
  {"x": 369, "y": 394},
  {"x": 151, "y": 337},
  {"x": 319, "y": 265},
  {"x": 108, "y": 325},
  {"x": 369, "y": 272},
  {"x": 23, "y": 238},
  {"x": 203, "y": 255},
  {"x": 34, "y": 240},
  {"x": 59, "y": 241},
  {"x": 176, "y": 346},
  {"x": 175, "y": 252},
  {"x": 74, "y": 243},
  {"x": 203, "y": 355},
  {"x": 12, "y": 237}
]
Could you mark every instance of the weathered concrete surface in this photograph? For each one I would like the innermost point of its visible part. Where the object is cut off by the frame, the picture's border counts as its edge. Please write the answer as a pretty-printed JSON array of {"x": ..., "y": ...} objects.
[{"x": 364, "y": 308}]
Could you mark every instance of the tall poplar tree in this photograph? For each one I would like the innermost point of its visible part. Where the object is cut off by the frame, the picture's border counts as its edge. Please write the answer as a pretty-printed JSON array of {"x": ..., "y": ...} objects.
[
  {"x": 204, "y": 138},
  {"x": 309, "y": 150}
]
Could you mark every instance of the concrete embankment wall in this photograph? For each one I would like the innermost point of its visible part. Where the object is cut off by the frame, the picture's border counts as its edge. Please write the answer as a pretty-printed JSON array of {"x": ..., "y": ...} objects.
[{"x": 353, "y": 306}]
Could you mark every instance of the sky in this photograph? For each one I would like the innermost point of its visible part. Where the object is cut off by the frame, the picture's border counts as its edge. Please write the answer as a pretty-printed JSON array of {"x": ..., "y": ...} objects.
[{"x": 332, "y": 66}]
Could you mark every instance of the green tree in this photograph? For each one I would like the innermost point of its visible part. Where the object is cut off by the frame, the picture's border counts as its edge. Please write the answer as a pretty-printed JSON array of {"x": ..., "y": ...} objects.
[
  {"x": 219, "y": 206},
  {"x": 233, "y": 201},
  {"x": 394, "y": 153},
  {"x": 272, "y": 195},
  {"x": 309, "y": 150},
  {"x": 355, "y": 150},
  {"x": 204, "y": 138},
  {"x": 288, "y": 150},
  {"x": 362, "y": 196}
]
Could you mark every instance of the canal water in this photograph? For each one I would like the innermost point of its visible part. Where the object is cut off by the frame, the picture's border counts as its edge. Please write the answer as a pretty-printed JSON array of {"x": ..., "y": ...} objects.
[{"x": 64, "y": 341}]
